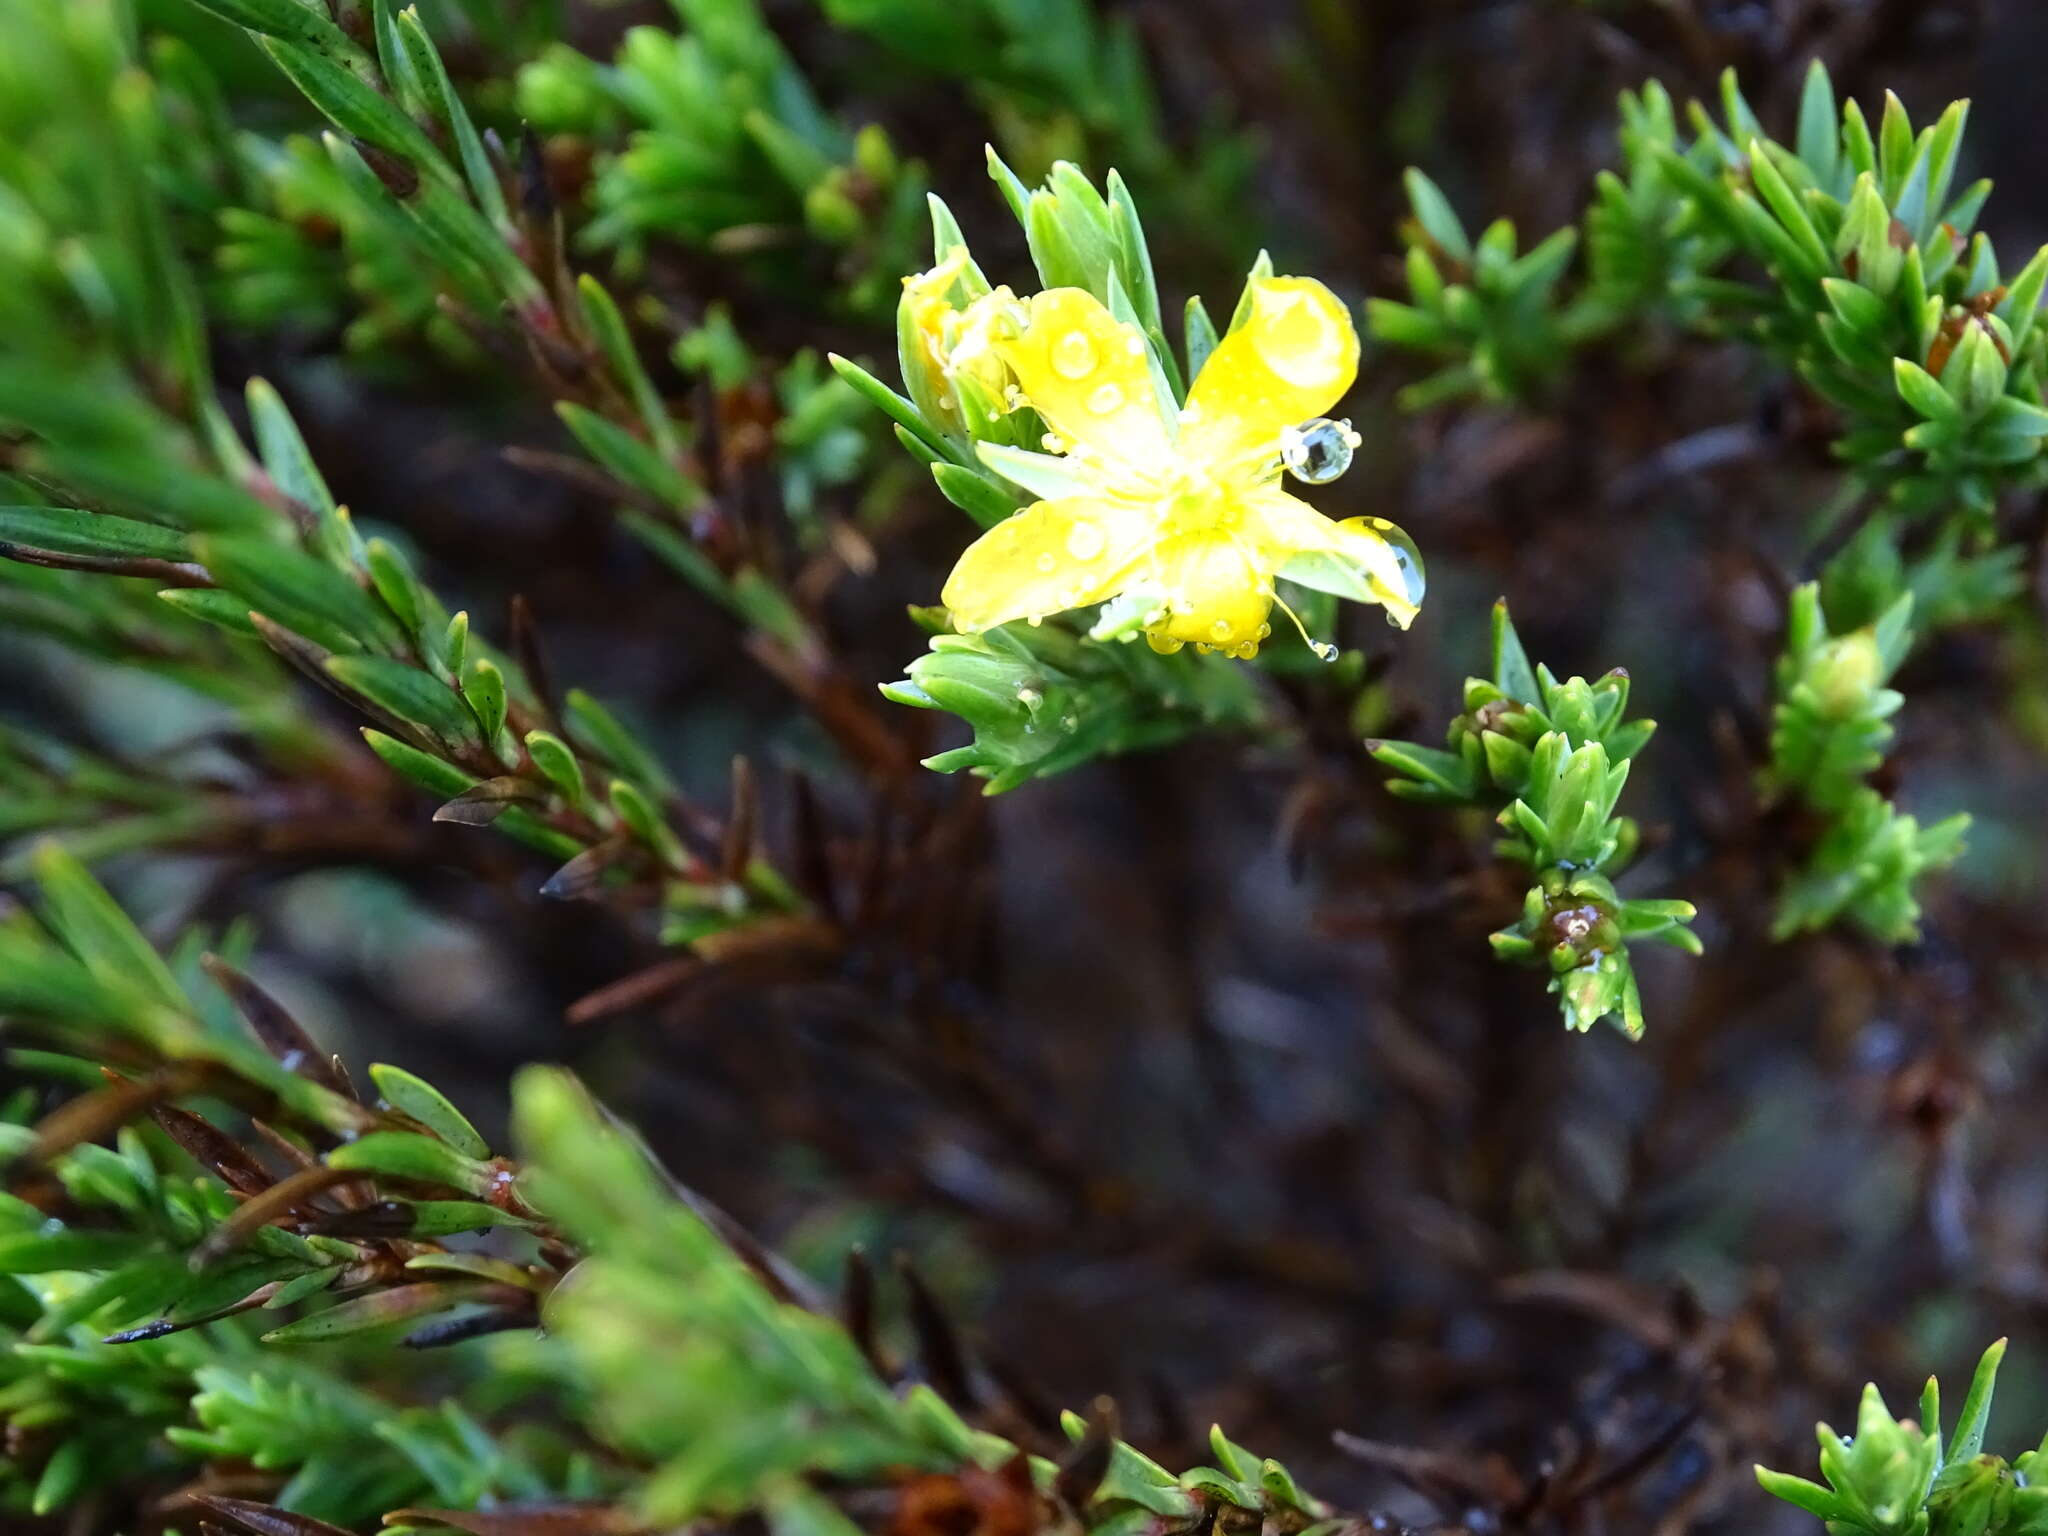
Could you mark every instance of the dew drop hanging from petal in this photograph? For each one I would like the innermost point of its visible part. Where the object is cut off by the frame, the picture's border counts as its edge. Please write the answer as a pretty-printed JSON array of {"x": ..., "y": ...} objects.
[{"x": 1406, "y": 556}]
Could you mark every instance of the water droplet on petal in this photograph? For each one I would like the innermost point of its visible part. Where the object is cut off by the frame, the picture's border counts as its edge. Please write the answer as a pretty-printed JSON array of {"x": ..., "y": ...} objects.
[
  {"x": 1105, "y": 398},
  {"x": 1135, "y": 345},
  {"x": 1073, "y": 356},
  {"x": 1047, "y": 564},
  {"x": 1406, "y": 556},
  {"x": 1323, "y": 649},
  {"x": 1221, "y": 629},
  {"x": 1085, "y": 541},
  {"x": 1317, "y": 451}
]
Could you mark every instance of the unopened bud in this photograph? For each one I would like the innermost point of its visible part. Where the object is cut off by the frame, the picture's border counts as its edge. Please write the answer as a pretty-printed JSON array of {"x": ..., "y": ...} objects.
[{"x": 1845, "y": 672}]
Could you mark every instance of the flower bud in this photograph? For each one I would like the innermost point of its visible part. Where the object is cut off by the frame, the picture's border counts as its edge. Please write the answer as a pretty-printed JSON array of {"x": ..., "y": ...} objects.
[{"x": 1845, "y": 671}]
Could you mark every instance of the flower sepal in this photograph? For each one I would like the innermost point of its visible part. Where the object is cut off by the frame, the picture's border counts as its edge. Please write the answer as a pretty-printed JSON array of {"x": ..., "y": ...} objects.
[{"x": 1041, "y": 699}]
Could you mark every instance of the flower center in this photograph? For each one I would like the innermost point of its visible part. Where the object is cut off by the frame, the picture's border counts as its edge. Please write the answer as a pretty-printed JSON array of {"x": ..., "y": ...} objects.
[{"x": 1198, "y": 503}]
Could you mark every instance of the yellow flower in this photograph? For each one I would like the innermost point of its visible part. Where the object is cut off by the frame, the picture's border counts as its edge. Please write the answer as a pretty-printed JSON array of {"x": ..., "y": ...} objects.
[
  {"x": 1179, "y": 512},
  {"x": 946, "y": 329}
]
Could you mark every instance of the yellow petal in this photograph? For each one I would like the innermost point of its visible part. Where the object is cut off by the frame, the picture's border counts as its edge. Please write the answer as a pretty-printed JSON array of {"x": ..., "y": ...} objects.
[
  {"x": 1090, "y": 377},
  {"x": 942, "y": 279},
  {"x": 923, "y": 320},
  {"x": 973, "y": 352},
  {"x": 1374, "y": 559},
  {"x": 1291, "y": 360},
  {"x": 1216, "y": 595},
  {"x": 1052, "y": 556}
]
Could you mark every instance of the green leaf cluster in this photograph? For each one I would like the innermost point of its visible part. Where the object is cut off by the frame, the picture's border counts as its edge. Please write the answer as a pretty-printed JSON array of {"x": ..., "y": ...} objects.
[
  {"x": 709, "y": 1382},
  {"x": 1875, "y": 291},
  {"x": 1485, "y": 304},
  {"x": 1041, "y": 699},
  {"x": 1864, "y": 870},
  {"x": 462, "y": 239},
  {"x": 728, "y": 147},
  {"x": 89, "y": 1408},
  {"x": 742, "y": 1399},
  {"x": 1829, "y": 732},
  {"x": 1848, "y": 255},
  {"x": 135, "y": 1297},
  {"x": 99, "y": 806},
  {"x": 1550, "y": 759},
  {"x": 1060, "y": 81},
  {"x": 1896, "y": 1477},
  {"x": 1833, "y": 717},
  {"x": 126, "y": 466}
]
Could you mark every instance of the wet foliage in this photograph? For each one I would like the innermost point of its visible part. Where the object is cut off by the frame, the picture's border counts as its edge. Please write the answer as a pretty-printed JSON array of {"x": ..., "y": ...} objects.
[{"x": 704, "y": 825}]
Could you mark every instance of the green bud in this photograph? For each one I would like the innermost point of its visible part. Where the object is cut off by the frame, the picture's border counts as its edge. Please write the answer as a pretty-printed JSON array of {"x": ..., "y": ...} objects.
[
  {"x": 1865, "y": 244},
  {"x": 1019, "y": 712},
  {"x": 1976, "y": 374},
  {"x": 830, "y": 214},
  {"x": 873, "y": 155},
  {"x": 1845, "y": 671}
]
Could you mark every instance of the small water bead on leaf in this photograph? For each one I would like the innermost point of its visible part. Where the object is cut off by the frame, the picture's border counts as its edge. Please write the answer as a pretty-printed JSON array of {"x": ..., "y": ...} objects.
[{"x": 1318, "y": 451}]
